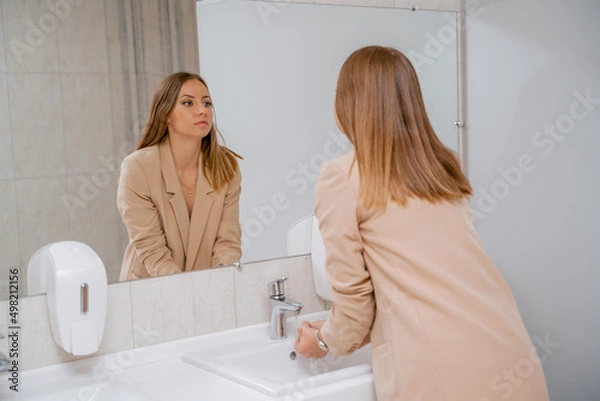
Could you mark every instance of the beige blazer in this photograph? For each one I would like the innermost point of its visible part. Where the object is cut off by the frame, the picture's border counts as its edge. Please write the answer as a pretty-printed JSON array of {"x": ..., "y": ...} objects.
[
  {"x": 442, "y": 322},
  {"x": 163, "y": 238}
]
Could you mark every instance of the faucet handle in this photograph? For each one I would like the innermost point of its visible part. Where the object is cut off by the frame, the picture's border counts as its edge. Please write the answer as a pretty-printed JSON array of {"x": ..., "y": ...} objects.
[{"x": 277, "y": 289}]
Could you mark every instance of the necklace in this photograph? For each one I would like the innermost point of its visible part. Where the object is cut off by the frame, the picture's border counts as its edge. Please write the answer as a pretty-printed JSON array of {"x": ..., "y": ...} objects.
[{"x": 190, "y": 192}]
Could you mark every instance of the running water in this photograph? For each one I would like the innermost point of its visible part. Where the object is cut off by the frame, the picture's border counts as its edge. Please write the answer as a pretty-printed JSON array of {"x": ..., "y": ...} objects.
[
  {"x": 313, "y": 366},
  {"x": 294, "y": 328}
]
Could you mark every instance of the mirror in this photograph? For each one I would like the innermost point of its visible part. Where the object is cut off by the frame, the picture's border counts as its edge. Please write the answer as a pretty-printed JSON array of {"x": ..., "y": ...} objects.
[
  {"x": 272, "y": 69},
  {"x": 76, "y": 79}
]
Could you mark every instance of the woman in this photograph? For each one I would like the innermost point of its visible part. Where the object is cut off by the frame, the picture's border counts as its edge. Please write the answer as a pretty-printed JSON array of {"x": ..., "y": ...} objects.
[
  {"x": 179, "y": 191},
  {"x": 407, "y": 269}
]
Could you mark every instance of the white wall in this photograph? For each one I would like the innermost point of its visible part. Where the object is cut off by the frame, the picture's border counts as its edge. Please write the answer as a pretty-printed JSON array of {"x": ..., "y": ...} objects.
[{"x": 526, "y": 59}]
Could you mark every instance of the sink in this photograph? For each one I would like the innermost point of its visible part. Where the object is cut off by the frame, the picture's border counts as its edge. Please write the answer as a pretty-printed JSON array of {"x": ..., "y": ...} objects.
[{"x": 254, "y": 360}]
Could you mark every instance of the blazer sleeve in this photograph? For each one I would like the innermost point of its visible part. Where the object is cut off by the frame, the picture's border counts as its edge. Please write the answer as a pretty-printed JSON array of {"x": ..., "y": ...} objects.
[
  {"x": 227, "y": 248},
  {"x": 351, "y": 317},
  {"x": 142, "y": 220}
]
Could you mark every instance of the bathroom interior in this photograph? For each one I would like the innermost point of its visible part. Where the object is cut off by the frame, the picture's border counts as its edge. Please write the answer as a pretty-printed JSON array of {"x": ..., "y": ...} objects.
[{"x": 513, "y": 86}]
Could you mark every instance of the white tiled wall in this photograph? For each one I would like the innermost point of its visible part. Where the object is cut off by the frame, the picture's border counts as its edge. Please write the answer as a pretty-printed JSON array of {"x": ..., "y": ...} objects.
[{"x": 156, "y": 310}]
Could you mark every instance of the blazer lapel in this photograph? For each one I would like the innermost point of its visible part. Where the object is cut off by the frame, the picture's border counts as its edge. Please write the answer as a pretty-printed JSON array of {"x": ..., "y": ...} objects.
[
  {"x": 205, "y": 197},
  {"x": 167, "y": 164}
]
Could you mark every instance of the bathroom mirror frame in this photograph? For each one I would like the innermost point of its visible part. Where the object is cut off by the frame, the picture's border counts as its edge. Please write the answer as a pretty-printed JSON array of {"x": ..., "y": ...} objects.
[{"x": 146, "y": 83}]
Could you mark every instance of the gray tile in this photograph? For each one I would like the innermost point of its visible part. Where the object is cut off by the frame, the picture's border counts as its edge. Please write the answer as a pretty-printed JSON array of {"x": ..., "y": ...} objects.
[
  {"x": 213, "y": 299},
  {"x": 118, "y": 334},
  {"x": 2, "y": 46},
  {"x": 3, "y": 326},
  {"x": 251, "y": 288},
  {"x": 6, "y": 159},
  {"x": 43, "y": 214},
  {"x": 82, "y": 46},
  {"x": 37, "y": 346},
  {"x": 87, "y": 122},
  {"x": 9, "y": 238},
  {"x": 30, "y": 36},
  {"x": 36, "y": 125},
  {"x": 95, "y": 219},
  {"x": 251, "y": 291},
  {"x": 162, "y": 309}
]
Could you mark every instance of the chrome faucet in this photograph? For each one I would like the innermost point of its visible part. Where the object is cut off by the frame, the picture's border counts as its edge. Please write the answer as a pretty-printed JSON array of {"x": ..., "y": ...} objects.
[{"x": 280, "y": 305}]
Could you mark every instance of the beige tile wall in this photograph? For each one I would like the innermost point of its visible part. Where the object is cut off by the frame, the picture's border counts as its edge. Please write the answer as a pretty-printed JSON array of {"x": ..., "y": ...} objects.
[{"x": 157, "y": 310}]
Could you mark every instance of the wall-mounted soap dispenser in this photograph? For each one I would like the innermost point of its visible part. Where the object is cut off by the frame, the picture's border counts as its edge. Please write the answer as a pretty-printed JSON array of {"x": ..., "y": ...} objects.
[{"x": 74, "y": 278}]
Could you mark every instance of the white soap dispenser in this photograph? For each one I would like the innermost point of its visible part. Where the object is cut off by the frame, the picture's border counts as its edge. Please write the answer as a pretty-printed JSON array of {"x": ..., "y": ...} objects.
[
  {"x": 74, "y": 278},
  {"x": 304, "y": 237}
]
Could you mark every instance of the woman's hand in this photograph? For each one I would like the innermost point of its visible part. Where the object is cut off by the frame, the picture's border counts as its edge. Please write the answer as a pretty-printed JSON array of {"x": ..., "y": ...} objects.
[{"x": 306, "y": 343}]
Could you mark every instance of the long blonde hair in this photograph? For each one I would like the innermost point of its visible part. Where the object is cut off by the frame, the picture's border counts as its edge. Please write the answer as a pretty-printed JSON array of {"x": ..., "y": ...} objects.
[
  {"x": 219, "y": 164},
  {"x": 380, "y": 108}
]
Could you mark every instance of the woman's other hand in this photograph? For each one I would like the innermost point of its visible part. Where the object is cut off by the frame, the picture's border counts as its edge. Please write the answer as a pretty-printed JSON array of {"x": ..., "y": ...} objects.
[
  {"x": 306, "y": 343},
  {"x": 317, "y": 324}
]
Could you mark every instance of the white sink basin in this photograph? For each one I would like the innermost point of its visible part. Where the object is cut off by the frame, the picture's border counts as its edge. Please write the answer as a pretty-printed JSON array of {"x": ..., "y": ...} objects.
[{"x": 254, "y": 360}]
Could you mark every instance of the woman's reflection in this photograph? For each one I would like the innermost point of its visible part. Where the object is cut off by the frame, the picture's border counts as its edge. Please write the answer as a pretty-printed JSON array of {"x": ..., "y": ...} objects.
[{"x": 179, "y": 191}]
